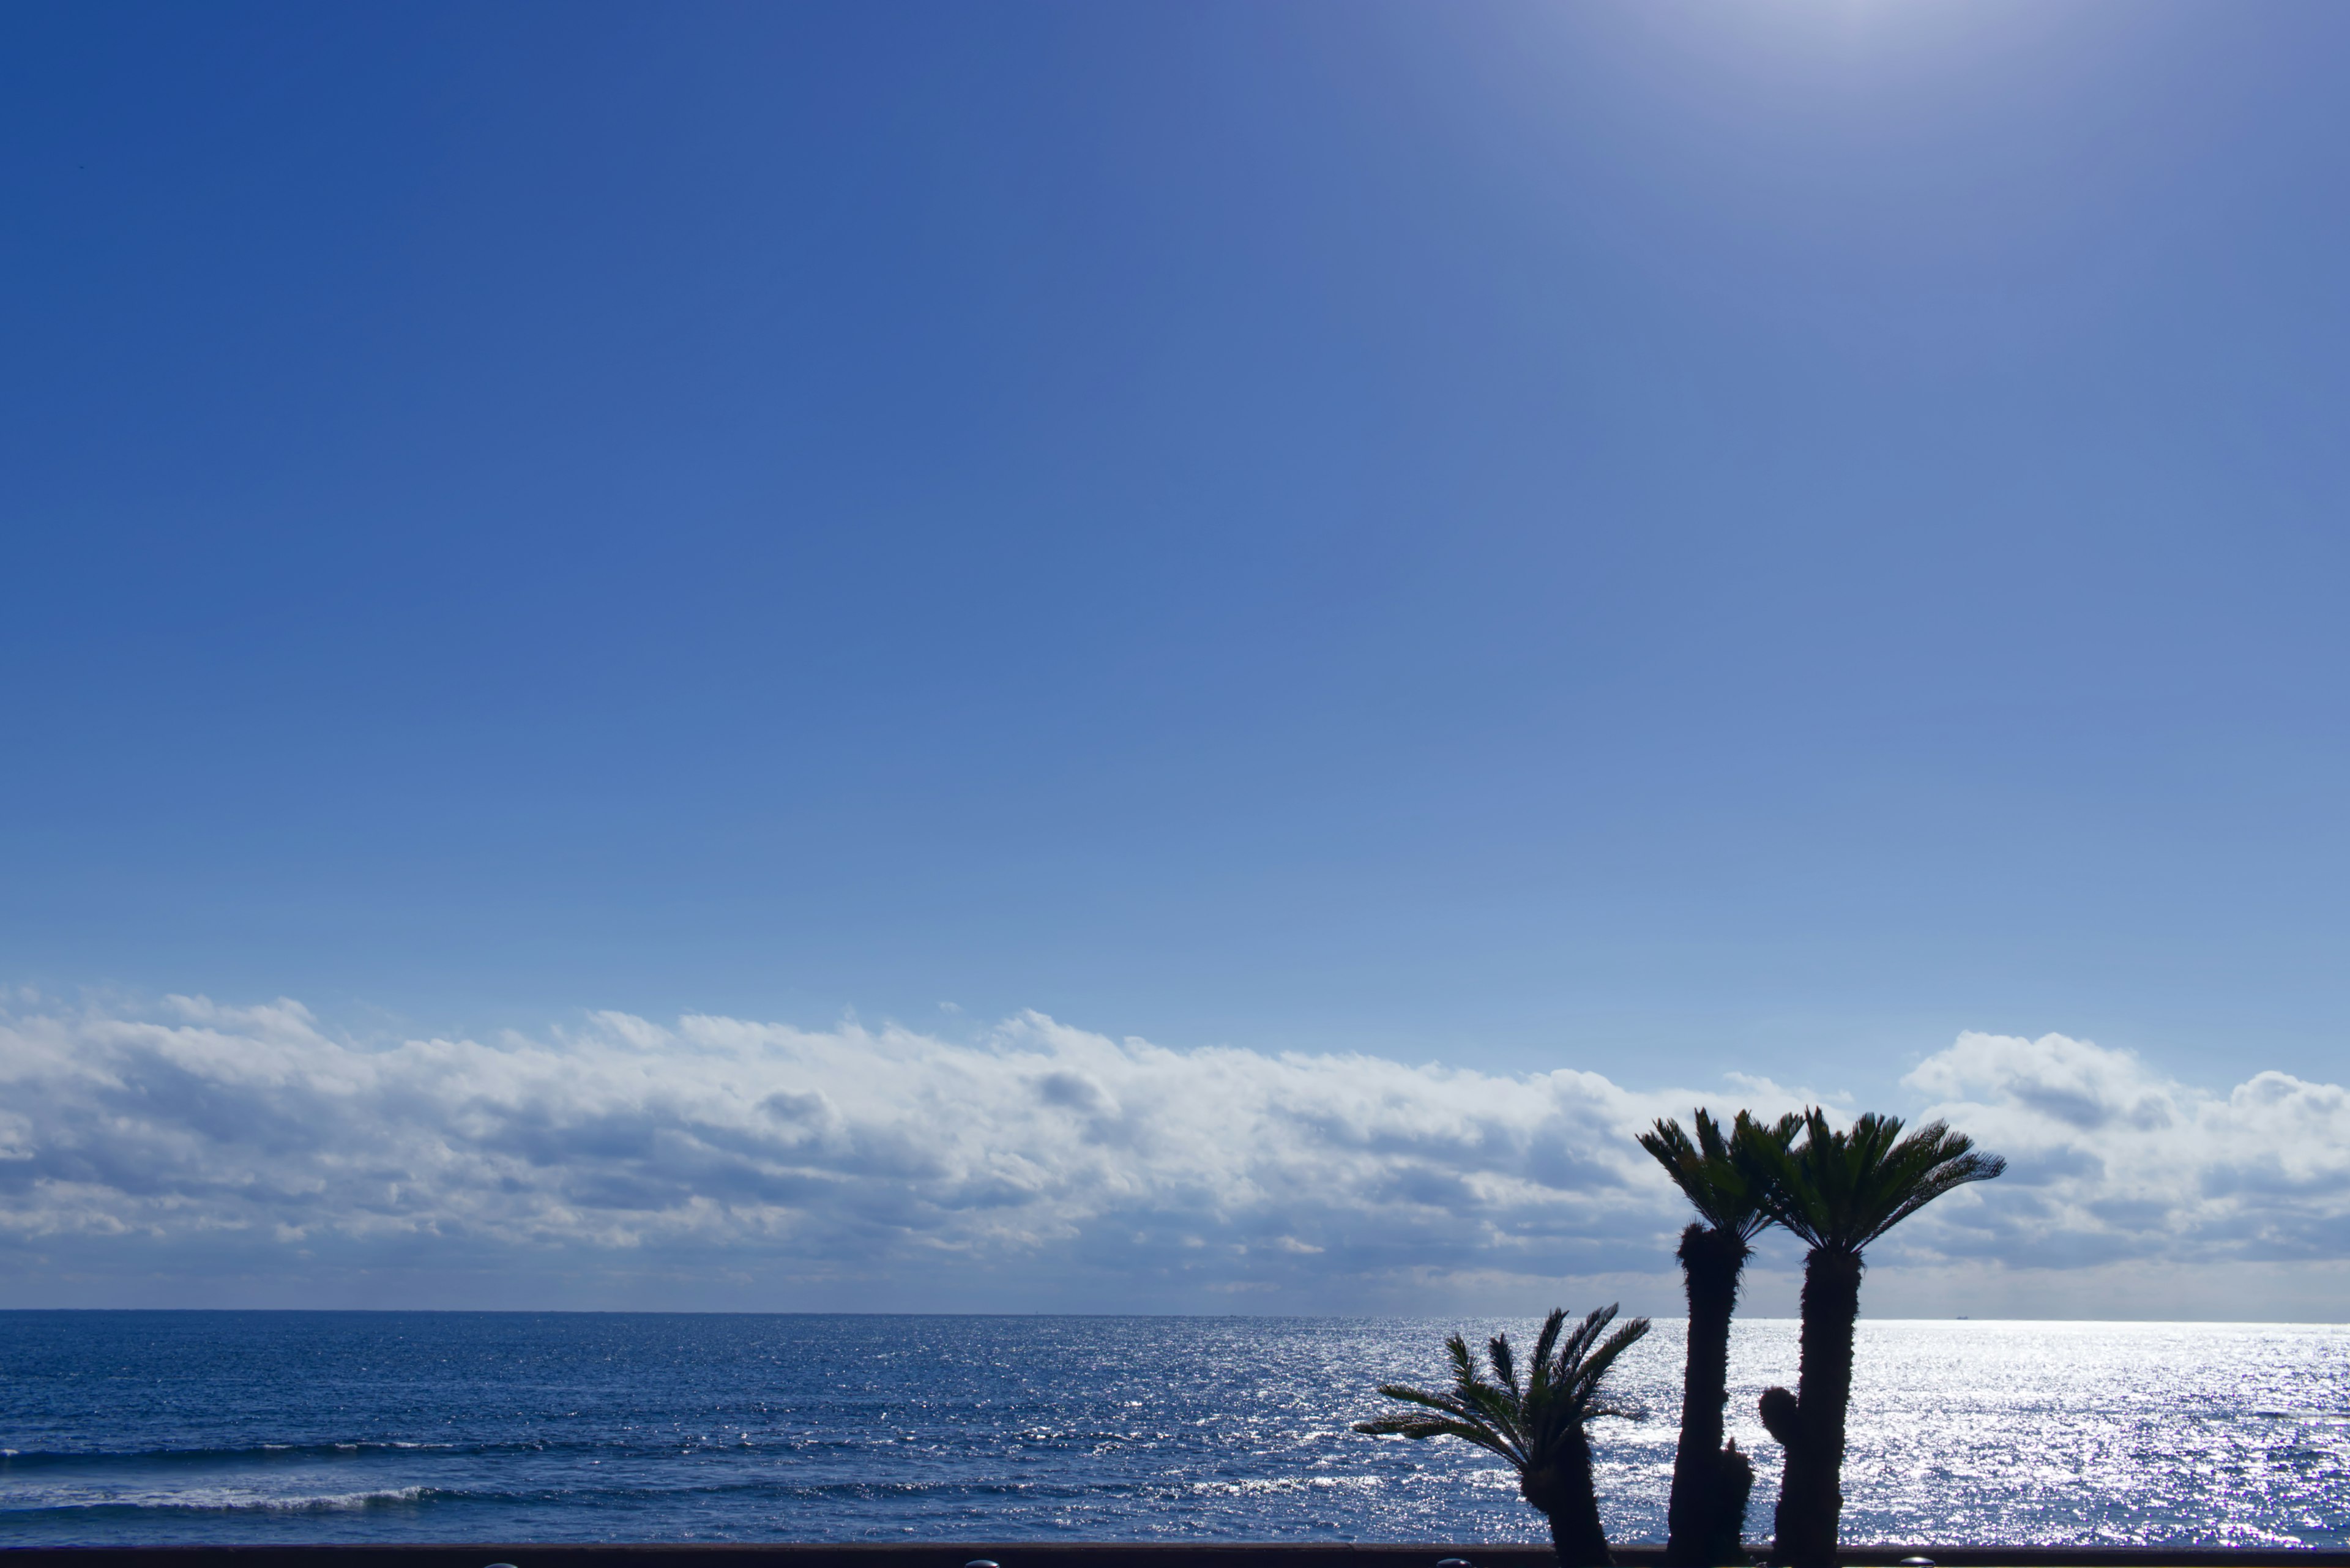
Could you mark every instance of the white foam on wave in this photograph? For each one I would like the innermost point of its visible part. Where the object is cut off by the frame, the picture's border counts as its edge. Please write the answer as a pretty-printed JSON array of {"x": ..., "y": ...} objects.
[{"x": 228, "y": 1499}]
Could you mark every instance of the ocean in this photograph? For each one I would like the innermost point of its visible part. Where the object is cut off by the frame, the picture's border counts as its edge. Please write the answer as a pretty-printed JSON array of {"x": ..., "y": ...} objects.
[{"x": 359, "y": 1427}]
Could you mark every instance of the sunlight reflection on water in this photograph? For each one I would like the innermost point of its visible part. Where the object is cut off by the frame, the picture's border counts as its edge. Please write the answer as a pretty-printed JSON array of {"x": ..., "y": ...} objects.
[{"x": 324, "y": 1427}]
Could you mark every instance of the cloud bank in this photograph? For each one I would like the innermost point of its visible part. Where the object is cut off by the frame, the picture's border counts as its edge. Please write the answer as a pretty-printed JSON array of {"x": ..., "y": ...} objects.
[
  {"x": 2108, "y": 1160},
  {"x": 247, "y": 1155}
]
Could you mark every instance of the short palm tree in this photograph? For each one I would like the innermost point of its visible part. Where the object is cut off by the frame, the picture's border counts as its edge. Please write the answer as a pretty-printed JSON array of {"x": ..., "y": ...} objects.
[
  {"x": 1712, "y": 1482},
  {"x": 1839, "y": 1191},
  {"x": 1536, "y": 1422}
]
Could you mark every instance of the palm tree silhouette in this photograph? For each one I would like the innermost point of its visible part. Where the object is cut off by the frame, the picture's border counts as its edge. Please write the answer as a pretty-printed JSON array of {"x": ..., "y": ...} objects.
[
  {"x": 1711, "y": 1482},
  {"x": 1839, "y": 1191},
  {"x": 1537, "y": 1423}
]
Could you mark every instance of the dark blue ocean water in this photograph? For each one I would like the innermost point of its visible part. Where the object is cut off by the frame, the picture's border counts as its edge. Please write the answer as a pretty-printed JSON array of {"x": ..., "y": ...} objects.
[{"x": 245, "y": 1427}]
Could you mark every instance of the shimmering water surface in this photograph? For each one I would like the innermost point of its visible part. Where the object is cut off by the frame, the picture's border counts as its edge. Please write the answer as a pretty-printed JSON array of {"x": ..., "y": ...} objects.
[{"x": 236, "y": 1427}]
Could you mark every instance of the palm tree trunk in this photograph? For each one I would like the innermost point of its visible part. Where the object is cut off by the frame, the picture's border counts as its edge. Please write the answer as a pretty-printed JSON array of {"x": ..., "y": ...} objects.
[
  {"x": 1809, "y": 1423},
  {"x": 1567, "y": 1496},
  {"x": 1733, "y": 1483},
  {"x": 1711, "y": 1260}
]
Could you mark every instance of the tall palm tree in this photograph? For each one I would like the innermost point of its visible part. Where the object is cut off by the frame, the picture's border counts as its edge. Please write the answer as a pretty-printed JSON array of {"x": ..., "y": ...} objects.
[
  {"x": 1536, "y": 1423},
  {"x": 1711, "y": 1482},
  {"x": 1839, "y": 1191}
]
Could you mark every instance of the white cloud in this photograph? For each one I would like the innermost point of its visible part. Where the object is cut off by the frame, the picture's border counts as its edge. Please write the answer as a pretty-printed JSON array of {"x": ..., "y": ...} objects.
[
  {"x": 2111, "y": 1160},
  {"x": 1043, "y": 1167},
  {"x": 853, "y": 1153}
]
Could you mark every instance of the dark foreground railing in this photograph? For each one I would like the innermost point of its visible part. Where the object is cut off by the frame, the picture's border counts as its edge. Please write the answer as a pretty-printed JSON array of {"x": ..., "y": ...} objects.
[{"x": 1090, "y": 1554}]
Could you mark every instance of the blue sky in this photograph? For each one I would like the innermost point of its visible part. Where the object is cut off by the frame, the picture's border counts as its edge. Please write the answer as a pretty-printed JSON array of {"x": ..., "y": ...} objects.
[{"x": 1658, "y": 541}]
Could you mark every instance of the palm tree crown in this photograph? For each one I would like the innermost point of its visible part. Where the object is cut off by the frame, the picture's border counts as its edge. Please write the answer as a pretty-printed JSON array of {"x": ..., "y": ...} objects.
[
  {"x": 1523, "y": 1420},
  {"x": 1841, "y": 1190},
  {"x": 1536, "y": 1422},
  {"x": 1714, "y": 1173}
]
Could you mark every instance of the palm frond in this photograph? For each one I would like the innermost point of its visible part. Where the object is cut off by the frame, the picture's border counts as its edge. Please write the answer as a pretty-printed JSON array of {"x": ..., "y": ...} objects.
[
  {"x": 1406, "y": 1427},
  {"x": 1547, "y": 1340},
  {"x": 1707, "y": 1168},
  {"x": 1595, "y": 1367},
  {"x": 1538, "y": 1385},
  {"x": 1841, "y": 1190},
  {"x": 1526, "y": 1409},
  {"x": 1505, "y": 1363},
  {"x": 1496, "y": 1407},
  {"x": 1411, "y": 1396}
]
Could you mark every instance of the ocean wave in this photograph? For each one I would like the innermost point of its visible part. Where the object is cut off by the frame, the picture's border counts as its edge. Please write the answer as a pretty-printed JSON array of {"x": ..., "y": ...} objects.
[
  {"x": 15, "y": 1461},
  {"x": 228, "y": 1501}
]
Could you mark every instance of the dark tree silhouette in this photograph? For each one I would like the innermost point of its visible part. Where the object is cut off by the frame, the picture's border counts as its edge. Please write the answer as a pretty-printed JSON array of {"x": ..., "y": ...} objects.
[
  {"x": 1536, "y": 1422},
  {"x": 1839, "y": 1191},
  {"x": 1712, "y": 1482}
]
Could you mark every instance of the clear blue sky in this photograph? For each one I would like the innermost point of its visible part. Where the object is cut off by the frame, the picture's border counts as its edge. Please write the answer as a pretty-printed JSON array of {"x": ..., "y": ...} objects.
[{"x": 1656, "y": 539}]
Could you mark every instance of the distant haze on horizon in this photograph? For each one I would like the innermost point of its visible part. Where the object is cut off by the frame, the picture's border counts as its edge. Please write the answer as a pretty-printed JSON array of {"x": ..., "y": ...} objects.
[{"x": 1153, "y": 657}]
